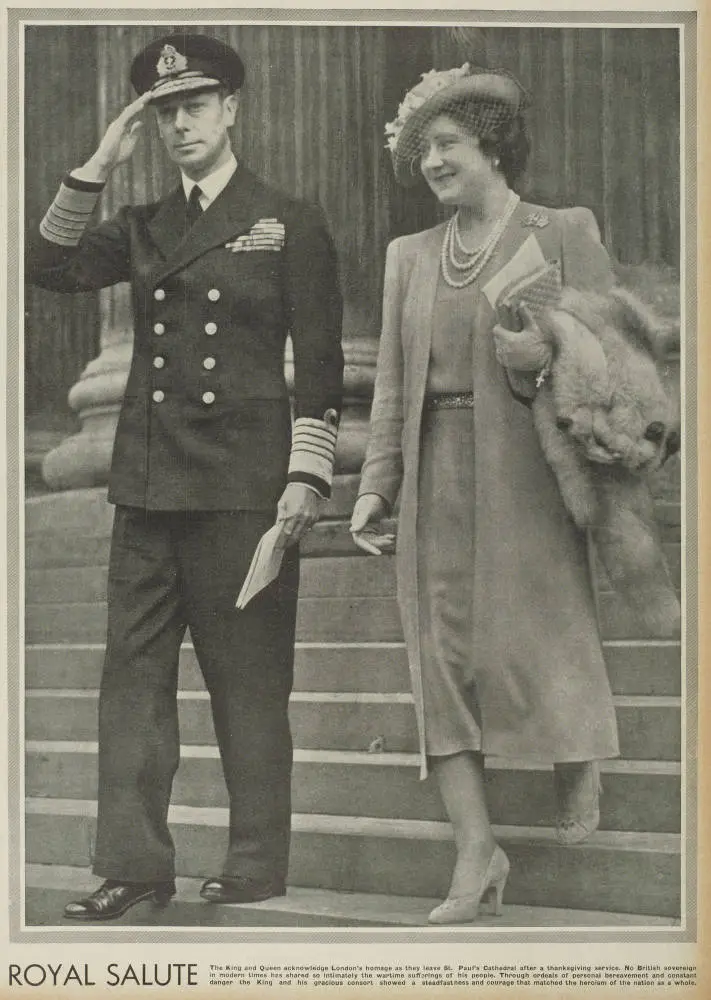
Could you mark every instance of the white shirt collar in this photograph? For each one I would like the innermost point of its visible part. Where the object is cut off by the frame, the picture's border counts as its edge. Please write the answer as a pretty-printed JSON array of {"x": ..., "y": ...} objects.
[{"x": 213, "y": 184}]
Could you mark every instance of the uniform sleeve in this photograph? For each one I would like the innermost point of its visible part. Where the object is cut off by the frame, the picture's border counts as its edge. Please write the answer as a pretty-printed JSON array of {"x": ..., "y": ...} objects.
[
  {"x": 68, "y": 253},
  {"x": 382, "y": 469},
  {"x": 315, "y": 309}
]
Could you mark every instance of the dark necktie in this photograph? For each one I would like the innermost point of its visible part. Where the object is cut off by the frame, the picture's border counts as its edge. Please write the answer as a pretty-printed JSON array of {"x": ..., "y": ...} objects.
[{"x": 194, "y": 208}]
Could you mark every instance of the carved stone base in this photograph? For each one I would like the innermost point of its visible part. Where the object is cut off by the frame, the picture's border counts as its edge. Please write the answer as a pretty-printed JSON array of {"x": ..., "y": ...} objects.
[{"x": 84, "y": 459}]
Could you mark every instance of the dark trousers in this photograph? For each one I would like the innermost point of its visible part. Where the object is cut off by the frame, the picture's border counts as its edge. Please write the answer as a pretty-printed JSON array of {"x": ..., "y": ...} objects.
[{"x": 169, "y": 571}]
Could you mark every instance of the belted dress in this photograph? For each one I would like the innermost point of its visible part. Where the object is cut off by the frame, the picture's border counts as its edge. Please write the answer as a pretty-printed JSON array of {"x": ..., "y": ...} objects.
[{"x": 494, "y": 585}]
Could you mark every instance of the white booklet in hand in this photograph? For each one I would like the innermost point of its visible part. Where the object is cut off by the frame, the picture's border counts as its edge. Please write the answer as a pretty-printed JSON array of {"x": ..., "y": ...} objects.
[
  {"x": 265, "y": 565},
  {"x": 537, "y": 291},
  {"x": 527, "y": 260}
]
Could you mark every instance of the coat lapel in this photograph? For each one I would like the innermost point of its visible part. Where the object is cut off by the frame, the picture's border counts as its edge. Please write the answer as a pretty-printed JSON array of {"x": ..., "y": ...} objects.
[
  {"x": 167, "y": 227},
  {"x": 233, "y": 212},
  {"x": 420, "y": 303}
]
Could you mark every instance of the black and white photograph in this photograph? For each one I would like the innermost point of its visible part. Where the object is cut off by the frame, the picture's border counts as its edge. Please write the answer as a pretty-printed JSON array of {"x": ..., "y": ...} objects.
[{"x": 356, "y": 527}]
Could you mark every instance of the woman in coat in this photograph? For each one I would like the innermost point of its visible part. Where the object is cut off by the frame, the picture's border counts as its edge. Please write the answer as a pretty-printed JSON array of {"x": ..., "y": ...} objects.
[{"x": 494, "y": 587}]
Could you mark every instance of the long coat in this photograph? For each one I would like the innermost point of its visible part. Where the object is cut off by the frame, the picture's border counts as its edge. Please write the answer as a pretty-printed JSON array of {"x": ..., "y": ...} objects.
[
  {"x": 537, "y": 663},
  {"x": 205, "y": 422}
]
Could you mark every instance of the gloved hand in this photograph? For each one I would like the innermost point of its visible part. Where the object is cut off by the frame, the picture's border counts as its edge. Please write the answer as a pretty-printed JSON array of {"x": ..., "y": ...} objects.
[
  {"x": 526, "y": 350},
  {"x": 369, "y": 510}
]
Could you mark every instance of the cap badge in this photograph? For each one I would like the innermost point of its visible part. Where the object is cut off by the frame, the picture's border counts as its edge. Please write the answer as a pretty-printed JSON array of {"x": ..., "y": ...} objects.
[
  {"x": 538, "y": 219},
  {"x": 171, "y": 61}
]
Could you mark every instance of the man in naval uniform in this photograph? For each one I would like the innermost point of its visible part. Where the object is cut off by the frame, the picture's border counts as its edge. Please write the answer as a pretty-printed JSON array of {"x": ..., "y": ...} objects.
[{"x": 205, "y": 459}]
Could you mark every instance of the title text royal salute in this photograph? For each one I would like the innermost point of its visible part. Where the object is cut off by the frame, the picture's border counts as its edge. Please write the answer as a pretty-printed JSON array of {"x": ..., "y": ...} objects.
[
  {"x": 205, "y": 459},
  {"x": 60, "y": 974}
]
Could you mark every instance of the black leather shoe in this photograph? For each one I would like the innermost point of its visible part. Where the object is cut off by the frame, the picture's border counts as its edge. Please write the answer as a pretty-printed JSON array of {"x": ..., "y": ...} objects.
[
  {"x": 112, "y": 899},
  {"x": 240, "y": 889}
]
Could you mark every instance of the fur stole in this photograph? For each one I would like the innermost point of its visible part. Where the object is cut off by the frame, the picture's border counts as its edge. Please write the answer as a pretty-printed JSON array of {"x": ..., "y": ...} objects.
[{"x": 606, "y": 422}]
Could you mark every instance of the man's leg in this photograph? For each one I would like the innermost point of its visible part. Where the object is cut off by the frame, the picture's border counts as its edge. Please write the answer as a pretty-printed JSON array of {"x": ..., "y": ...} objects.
[
  {"x": 247, "y": 659},
  {"x": 139, "y": 747}
]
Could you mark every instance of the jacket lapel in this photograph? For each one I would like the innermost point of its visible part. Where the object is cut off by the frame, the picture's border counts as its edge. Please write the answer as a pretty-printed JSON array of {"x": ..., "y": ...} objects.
[
  {"x": 419, "y": 306},
  {"x": 167, "y": 227},
  {"x": 233, "y": 212}
]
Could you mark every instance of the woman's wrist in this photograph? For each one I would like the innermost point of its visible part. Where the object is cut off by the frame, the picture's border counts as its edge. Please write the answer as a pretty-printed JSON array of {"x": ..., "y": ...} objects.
[{"x": 384, "y": 502}]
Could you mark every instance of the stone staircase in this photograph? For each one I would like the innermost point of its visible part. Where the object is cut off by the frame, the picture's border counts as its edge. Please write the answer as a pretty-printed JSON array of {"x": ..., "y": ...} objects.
[{"x": 370, "y": 844}]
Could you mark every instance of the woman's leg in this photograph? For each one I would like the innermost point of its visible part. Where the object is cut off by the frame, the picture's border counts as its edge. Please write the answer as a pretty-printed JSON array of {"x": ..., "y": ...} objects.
[
  {"x": 461, "y": 784},
  {"x": 577, "y": 790}
]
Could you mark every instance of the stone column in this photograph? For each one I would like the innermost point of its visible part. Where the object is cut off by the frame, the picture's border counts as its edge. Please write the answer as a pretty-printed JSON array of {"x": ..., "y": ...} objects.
[{"x": 83, "y": 459}]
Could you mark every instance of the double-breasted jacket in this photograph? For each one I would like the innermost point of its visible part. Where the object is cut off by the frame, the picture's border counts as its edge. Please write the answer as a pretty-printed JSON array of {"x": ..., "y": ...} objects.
[{"x": 205, "y": 422}]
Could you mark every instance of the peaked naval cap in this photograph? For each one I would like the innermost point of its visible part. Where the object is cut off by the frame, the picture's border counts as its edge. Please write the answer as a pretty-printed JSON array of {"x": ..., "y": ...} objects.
[
  {"x": 491, "y": 98},
  {"x": 183, "y": 62}
]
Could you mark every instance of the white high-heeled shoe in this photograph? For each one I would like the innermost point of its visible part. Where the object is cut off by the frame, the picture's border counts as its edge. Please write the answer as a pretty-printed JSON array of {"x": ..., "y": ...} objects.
[
  {"x": 464, "y": 909},
  {"x": 577, "y": 789}
]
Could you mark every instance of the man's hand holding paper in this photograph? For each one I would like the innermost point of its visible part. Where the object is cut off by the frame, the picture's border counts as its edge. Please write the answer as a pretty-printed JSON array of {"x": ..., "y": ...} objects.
[
  {"x": 265, "y": 565},
  {"x": 298, "y": 510}
]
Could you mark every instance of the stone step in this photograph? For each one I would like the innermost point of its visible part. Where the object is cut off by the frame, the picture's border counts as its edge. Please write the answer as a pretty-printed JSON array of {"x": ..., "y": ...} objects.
[
  {"x": 615, "y": 871},
  {"x": 637, "y": 795},
  {"x": 86, "y": 511},
  {"x": 49, "y": 887},
  {"x": 49, "y": 545},
  {"x": 338, "y": 576},
  {"x": 634, "y": 667},
  {"x": 53, "y": 548},
  {"x": 672, "y": 555},
  {"x": 649, "y": 727},
  {"x": 319, "y": 619}
]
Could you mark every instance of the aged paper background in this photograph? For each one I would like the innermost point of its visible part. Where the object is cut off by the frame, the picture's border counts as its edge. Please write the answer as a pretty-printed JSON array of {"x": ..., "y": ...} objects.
[{"x": 96, "y": 947}]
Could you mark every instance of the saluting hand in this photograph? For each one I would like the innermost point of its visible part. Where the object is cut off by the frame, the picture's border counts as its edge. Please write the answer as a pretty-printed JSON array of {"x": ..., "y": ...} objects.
[
  {"x": 369, "y": 510},
  {"x": 117, "y": 145}
]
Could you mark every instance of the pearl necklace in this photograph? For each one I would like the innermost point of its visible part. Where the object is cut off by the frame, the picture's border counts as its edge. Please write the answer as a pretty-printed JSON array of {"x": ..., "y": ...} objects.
[{"x": 474, "y": 261}]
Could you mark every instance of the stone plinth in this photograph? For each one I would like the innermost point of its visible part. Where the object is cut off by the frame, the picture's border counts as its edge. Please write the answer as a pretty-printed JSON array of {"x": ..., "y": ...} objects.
[{"x": 84, "y": 458}]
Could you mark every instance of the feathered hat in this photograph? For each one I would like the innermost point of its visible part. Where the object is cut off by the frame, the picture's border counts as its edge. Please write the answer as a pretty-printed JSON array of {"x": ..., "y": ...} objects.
[{"x": 492, "y": 98}]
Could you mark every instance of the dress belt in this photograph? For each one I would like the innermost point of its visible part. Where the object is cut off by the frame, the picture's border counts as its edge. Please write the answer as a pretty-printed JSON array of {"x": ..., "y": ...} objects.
[{"x": 449, "y": 401}]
